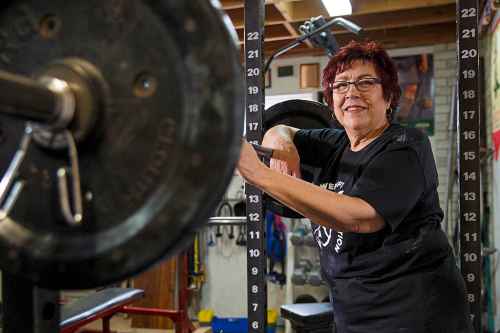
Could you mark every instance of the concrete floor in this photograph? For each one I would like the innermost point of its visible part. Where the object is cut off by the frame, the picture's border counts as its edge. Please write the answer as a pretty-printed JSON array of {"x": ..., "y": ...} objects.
[{"x": 122, "y": 324}]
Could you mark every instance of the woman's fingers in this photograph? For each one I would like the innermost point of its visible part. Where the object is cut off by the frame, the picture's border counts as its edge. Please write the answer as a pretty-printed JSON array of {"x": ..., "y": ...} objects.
[
  {"x": 285, "y": 167},
  {"x": 249, "y": 163},
  {"x": 246, "y": 158}
]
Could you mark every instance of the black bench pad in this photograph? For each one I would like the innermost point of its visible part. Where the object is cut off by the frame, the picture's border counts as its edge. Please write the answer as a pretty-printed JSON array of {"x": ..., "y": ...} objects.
[
  {"x": 95, "y": 304},
  {"x": 308, "y": 314}
]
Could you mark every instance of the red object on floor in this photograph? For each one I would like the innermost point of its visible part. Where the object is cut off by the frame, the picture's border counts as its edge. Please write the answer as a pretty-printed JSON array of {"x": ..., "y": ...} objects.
[
  {"x": 180, "y": 317},
  {"x": 102, "y": 304}
]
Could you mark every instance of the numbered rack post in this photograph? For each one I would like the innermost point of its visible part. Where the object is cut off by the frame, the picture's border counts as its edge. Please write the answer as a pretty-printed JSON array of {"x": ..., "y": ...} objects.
[
  {"x": 256, "y": 254},
  {"x": 468, "y": 150}
]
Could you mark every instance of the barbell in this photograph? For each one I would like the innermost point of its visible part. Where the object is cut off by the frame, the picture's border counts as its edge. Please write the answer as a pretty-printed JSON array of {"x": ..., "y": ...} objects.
[{"x": 120, "y": 128}]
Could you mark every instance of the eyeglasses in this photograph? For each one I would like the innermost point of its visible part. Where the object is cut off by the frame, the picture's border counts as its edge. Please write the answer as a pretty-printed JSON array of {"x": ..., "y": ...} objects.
[{"x": 363, "y": 85}]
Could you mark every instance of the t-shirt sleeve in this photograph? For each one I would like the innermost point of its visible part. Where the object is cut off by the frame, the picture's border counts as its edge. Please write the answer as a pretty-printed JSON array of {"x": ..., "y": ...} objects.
[
  {"x": 392, "y": 184},
  {"x": 315, "y": 146}
]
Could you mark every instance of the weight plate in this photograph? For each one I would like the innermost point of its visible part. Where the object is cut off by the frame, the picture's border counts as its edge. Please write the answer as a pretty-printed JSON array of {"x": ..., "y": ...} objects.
[
  {"x": 300, "y": 114},
  {"x": 170, "y": 119}
]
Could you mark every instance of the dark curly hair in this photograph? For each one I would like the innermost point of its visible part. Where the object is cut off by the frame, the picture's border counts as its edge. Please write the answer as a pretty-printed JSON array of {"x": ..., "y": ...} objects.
[{"x": 368, "y": 51}]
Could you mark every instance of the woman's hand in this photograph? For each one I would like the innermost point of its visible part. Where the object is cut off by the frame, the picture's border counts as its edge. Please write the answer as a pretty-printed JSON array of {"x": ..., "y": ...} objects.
[
  {"x": 286, "y": 158},
  {"x": 249, "y": 165}
]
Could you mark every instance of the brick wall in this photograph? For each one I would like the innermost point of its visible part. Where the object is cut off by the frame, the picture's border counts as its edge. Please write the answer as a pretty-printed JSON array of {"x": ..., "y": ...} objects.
[{"x": 445, "y": 67}]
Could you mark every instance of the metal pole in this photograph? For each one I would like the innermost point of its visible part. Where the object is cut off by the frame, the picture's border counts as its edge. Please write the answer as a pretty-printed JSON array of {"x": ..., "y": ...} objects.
[
  {"x": 254, "y": 102},
  {"x": 27, "y": 308},
  {"x": 468, "y": 155}
]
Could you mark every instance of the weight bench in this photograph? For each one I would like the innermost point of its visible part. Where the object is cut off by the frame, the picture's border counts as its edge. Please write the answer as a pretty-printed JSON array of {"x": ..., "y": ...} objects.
[
  {"x": 102, "y": 304},
  {"x": 309, "y": 317}
]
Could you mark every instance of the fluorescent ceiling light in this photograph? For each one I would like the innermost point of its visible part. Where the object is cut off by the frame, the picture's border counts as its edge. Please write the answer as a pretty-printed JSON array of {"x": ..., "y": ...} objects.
[{"x": 338, "y": 7}]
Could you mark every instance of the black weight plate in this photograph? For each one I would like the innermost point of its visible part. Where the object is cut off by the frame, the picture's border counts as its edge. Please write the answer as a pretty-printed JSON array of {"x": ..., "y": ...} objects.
[
  {"x": 300, "y": 114},
  {"x": 305, "y": 298},
  {"x": 147, "y": 170}
]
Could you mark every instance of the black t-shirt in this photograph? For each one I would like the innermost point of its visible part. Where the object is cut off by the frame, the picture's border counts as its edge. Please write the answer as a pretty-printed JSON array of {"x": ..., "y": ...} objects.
[{"x": 375, "y": 278}]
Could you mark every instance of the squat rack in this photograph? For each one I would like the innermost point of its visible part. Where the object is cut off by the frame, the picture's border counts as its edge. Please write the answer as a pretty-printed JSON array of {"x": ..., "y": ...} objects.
[{"x": 468, "y": 161}]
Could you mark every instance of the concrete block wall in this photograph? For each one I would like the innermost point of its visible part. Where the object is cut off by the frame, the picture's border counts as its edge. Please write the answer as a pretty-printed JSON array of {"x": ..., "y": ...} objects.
[
  {"x": 492, "y": 171},
  {"x": 445, "y": 75}
]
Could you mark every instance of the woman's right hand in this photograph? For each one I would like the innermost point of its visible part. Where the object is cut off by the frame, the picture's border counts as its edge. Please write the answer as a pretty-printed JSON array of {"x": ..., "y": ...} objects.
[{"x": 286, "y": 158}]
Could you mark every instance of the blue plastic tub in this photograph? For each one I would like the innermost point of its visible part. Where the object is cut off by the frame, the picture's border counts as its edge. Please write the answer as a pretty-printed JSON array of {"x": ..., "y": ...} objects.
[{"x": 234, "y": 325}]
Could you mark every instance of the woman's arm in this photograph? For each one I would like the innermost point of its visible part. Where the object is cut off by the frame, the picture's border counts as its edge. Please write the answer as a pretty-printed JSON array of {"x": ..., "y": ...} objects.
[{"x": 337, "y": 211}]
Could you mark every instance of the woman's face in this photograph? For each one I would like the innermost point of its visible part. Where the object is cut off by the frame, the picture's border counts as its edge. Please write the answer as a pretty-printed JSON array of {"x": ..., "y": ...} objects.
[{"x": 360, "y": 111}]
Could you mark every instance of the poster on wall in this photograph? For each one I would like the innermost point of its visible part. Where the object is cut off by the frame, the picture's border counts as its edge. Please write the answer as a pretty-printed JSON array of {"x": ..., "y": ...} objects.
[
  {"x": 416, "y": 79},
  {"x": 495, "y": 85}
]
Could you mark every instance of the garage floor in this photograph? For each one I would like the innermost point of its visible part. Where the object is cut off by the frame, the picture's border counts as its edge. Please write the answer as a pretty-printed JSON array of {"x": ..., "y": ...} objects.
[{"x": 122, "y": 324}]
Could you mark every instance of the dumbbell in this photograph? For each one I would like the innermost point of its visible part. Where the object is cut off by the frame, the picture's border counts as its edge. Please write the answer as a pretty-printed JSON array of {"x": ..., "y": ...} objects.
[
  {"x": 314, "y": 276},
  {"x": 299, "y": 276},
  {"x": 297, "y": 237},
  {"x": 309, "y": 240}
]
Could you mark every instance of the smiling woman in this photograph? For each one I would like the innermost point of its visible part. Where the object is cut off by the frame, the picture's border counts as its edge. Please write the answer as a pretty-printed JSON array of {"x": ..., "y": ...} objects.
[
  {"x": 375, "y": 209},
  {"x": 361, "y": 107}
]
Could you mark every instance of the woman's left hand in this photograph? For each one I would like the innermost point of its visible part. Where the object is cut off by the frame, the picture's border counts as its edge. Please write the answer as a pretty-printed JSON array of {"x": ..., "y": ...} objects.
[{"x": 249, "y": 164}]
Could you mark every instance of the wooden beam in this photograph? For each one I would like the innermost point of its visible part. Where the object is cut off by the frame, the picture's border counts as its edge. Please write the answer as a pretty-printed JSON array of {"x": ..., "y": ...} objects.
[
  {"x": 404, "y": 18},
  {"x": 409, "y": 36},
  {"x": 304, "y": 10},
  {"x": 360, "y": 7},
  {"x": 272, "y": 32},
  {"x": 392, "y": 20},
  {"x": 233, "y": 4},
  {"x": 379, "y": 18},
  {"x": 283, "y": 7},
  {"x": 273, "y": 16},
  {"x": 301, "y": 10},
  {"x": 391, "y": 38}
]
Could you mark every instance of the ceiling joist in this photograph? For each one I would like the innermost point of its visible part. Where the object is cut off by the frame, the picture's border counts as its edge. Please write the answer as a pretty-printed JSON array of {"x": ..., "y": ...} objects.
[{"x": 397, "y": 24}]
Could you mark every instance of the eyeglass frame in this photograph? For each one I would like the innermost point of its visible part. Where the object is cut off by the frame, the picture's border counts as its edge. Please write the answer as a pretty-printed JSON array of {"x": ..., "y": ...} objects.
[{"x": 355, "y": 83}]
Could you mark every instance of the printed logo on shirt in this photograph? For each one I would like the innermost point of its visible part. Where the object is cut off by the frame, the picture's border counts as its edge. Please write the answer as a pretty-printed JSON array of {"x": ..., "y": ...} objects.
[
  {"x": 335, "y": 187},
  {"x": 323, "y": 235}
]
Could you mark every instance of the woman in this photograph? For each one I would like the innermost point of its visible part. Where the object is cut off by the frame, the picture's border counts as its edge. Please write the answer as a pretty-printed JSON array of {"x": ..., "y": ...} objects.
[{"x": 375, "y": 214}]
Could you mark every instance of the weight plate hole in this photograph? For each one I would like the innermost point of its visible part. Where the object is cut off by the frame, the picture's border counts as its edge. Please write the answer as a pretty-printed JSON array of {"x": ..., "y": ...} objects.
[
  {"x": 145, "y": 85},
  {"x": 50, "y": 25}
]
